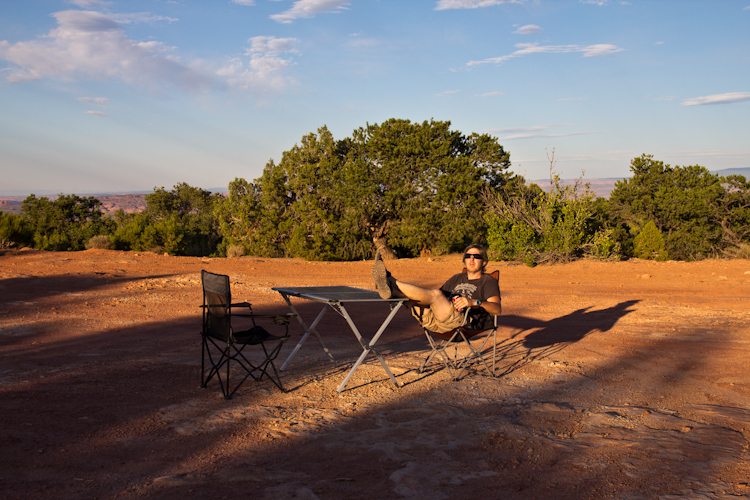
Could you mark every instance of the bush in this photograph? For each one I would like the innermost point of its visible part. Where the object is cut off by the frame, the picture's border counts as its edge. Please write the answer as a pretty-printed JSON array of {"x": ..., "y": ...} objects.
[
  {"x": 235, "y": 250},
  {"x": 649, "y": 244},
  {"x": 100, "y": 242},
  {"x": 530, "y": 225},
  {"x": 65, "y": 223},
  {"x": 13, "y": 231},
  {"x": 742, "y": 251},
  {"x": 695, "y": 212}
]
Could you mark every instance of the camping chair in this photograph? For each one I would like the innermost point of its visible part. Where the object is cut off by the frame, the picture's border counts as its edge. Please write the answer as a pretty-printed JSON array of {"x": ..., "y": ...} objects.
[
  {"x": 462, "y": 336},
  {"x": 222, "y": 344}
]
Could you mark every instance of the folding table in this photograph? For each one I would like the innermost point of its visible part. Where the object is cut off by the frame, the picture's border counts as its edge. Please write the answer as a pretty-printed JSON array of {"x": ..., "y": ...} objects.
[{"x": 336, "y": 297}]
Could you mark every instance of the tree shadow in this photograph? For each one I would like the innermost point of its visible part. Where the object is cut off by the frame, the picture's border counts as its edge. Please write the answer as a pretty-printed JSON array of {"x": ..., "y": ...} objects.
[
  {"x": 123, "y": 416},
  {"x": 30, "y": 288}
]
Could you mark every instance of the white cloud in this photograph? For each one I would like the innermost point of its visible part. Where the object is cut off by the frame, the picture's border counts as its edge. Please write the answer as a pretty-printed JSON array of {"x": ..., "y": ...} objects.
[
  {"x": 489, "y": 94},
  {"x": 470, "y": 4},
  {"x": 535, "y": 132},
  {"x": 89, "y": 3},
  {"x": 529, "y": 29},
  {"x": 271, "y": 45},
  {"x": 364, "y": 43},
  {"x": 447, "y": 92},
  {"x": 601, "y": 49},
  {"x": 96, "y": 113},
  {"x": 717, "y": 99},
  {"x": 658, "y": 43},
  {"x": 309, "y": 8},
  {"x": 92, "y": 45},
  {"x": 544, "y": 136},
  {"x": 601, "y": 3},
  {"x": 101, "y": 101},
  {"x": 139, "y": 17},
  {"x": 244, "y": 2},
  {"x": 534, "y": 128},
  {"x": 263, "y": 70}
]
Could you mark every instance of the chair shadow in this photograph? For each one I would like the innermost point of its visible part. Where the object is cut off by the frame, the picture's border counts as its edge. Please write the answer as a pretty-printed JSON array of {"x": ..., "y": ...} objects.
[{"x": 549, "y": 337}]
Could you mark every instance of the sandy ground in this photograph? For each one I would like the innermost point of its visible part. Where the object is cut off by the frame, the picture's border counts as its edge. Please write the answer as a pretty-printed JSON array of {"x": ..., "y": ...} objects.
[{"x": 619, "y": 380}]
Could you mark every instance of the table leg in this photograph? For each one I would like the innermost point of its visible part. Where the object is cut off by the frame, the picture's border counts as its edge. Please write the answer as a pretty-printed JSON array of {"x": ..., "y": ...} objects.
[
  {"x": 366, "y": 348},
  {"x": 307, "y": 331}
]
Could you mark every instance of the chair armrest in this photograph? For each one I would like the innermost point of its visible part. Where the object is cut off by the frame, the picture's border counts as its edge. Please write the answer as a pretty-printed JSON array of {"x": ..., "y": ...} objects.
[
  {"x": 466, "y": 315},
  {"x": 279, "y": 319},
  {"x": 480, "y": 307},
  {"x": 241, "y": 304}
]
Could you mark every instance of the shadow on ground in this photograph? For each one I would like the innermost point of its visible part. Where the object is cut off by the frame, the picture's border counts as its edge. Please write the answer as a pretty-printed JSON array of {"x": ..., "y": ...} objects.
[{"x": 120, "y": 415}]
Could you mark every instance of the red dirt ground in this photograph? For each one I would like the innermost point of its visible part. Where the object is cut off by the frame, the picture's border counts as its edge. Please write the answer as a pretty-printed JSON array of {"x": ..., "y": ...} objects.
[{"x": 623, "y": 380}]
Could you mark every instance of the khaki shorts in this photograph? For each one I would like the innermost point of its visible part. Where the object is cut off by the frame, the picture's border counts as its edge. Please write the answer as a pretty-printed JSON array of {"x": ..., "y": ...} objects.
[{"x": 427, "y": 319}]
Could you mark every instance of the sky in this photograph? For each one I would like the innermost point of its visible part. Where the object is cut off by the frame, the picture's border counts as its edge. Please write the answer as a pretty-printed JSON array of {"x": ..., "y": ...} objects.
[{"x": 125, "y": 96}]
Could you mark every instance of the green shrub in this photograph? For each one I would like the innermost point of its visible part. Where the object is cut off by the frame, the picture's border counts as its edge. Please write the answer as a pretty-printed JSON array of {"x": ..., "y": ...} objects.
[
  {"x": 65, "y": 223},
  {"x": 235, "y": 250},
  {"x": 100, "y": 242},
  {"x": 649, "y": 243},
  {"x": 742, "y": 251},
  {"x": 698, "y": 213},
  {"x": 533, "y": 226},
  {"x": 14, "y": 231}
]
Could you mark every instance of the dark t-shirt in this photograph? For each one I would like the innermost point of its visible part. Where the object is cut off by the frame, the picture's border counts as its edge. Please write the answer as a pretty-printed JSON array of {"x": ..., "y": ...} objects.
[{"x": 483, "y": 288}]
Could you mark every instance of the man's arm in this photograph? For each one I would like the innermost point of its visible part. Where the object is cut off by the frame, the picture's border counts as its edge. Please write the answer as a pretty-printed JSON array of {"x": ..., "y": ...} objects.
[{"x": 492, "y": 305}]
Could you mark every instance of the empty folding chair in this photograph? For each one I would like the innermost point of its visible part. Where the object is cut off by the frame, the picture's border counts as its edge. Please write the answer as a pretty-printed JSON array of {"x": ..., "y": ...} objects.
[{"x": 224, "y": 346}]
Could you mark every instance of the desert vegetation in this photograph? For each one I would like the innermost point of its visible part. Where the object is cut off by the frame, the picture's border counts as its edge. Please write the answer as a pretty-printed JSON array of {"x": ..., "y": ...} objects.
[{"x": 409, "y": 189}]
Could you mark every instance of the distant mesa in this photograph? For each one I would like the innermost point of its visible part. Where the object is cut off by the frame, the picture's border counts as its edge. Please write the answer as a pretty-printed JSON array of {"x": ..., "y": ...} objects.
[
  {"x": 603, "y": 187},
  {"x": 129, "y": 203},
  {"x": 10, "y": 206},
  {"x": 600, "y": 187},
  {"x": 136, "y": 202}
]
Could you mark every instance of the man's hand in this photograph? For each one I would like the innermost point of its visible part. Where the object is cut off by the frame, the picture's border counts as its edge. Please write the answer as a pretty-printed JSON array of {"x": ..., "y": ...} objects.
[{"x": 461, "y": 303}]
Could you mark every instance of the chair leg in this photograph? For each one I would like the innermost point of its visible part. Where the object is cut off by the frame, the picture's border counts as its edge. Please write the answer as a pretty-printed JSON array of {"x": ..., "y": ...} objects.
[
  {"x": 215, "y": 366},
  {"x": 455, "y": 364},
  {"x": 439, "y": 348},
  {"x": 433, "y": 350},
  {"x": 229, "y": 361},
  {"x": 476, "y": 354},
  {"x": 203, "y": 360},
  {"x": 224, "y": 358},
  {"x": 269, "y": 362},
  {"x": 231, "y": 352},
  {"x": 248, "y": 371}
]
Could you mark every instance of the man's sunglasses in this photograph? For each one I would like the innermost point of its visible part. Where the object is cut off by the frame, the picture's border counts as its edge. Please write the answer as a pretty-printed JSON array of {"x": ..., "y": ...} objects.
[{"x": 472, "y": 256}]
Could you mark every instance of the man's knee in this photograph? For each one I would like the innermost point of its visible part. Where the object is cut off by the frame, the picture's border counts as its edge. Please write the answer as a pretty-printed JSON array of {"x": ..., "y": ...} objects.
[{"x": 437, "y": 295}]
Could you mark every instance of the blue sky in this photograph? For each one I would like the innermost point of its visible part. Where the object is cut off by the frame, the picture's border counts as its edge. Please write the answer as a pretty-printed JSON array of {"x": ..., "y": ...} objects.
[{"x": 115, "y": 96}]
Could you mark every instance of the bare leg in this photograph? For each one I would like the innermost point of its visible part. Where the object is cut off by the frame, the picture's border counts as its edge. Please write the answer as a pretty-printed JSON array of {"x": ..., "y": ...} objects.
[
  {"x": 425, "y": 297},
  {"x": 388, "y": 287}
]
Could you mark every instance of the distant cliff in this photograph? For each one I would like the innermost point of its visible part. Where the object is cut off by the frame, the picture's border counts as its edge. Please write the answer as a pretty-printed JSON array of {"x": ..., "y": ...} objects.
[{"x": 602, "y": 187}]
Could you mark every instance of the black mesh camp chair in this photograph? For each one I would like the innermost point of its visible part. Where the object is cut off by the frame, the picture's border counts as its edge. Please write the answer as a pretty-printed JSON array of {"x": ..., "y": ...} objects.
[
  {"x": 222, "y": 344},
  {"x": 446, "y": 345}
]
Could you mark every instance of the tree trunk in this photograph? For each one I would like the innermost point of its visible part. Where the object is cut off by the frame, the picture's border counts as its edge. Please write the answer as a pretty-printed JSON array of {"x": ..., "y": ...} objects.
[
  {"x": 385, "y": 252},
  {"x": 379, "y": 234}
]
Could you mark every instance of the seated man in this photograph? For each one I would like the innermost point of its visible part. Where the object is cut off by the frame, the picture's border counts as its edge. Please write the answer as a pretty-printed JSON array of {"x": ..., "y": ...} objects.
[{"x": 443, "y": 307}]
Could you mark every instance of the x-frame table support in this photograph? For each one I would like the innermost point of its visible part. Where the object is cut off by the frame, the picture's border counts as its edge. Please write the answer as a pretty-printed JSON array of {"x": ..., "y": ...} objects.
[{"x": 340, "y": 308}]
